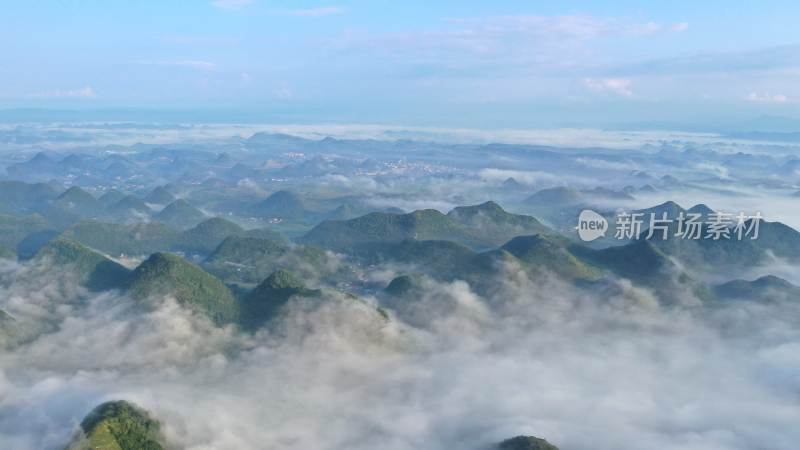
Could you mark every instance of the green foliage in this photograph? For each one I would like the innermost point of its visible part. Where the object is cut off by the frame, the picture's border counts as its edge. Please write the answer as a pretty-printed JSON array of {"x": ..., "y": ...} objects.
[
  {"x": 349, "y": 235},
  {"x": 270, "y": 296},
  {"x": 76, "y": 195},
  {"x": 766, "y": 288},
  {"x": 93, "y": 270},
  {"x": 120, "y": 239},
  {"x": 180, "y": 214},
  {"x": 111, "y": 197},
  {"x": 482, "y": 226},
  {"x": 78, "y": 201},
  {"x": 119, "y": 425},
  {"x": 250, "y": 260},
  {"x": 639, "y": 261},
  {"x": 402, "y": 285},
  {"x": 23, "y": 194},
  {"x": 159, "y": 196},
  {"x": 207, "y": 235},
  {"x": 526, "y": 443},
  {"x": 13, "y": 229},
  {"x": 282, "y": 204},
  {"x": 490, "y": 223},
  {"x": 164, "y": 273},
  {"x": 549, "y": 253},
  {"x": 129, "y": 203}
]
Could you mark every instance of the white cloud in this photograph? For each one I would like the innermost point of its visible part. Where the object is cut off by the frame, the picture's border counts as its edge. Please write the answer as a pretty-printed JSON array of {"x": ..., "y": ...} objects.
[
  {"x": 231, "y": 4},
  {"x": 767, "y": 98},
  {"x": 620, "y": 86},
  {"x": 317, "y": 12},
  {"x": 84, "y": 92}
]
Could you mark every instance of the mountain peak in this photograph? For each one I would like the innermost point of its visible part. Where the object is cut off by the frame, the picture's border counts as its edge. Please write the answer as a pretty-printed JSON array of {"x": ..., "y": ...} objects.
[
  {"x": 76, "y": 194},
  {"x": 526, "y": 443},
  {"x": 560, "y": 195},
  {"x": 701, "y": 209},
  {"x": 93, "y": 269},
  {"x": 160, "y": 196},
  {"x": 284, "y": 204},
  {"x": 485, "y": 207},
  {"x": 119, "y": 425},
  {"x": 166, "y": 273},
  {"x": 271, "y": 295}
]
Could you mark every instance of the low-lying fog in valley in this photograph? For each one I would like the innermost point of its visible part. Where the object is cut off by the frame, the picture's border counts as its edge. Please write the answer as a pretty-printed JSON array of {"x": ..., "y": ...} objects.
[{"x": 365, "y": 287}]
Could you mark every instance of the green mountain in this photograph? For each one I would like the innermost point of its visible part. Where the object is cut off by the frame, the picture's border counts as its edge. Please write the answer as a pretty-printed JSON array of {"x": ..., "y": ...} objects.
[
  {"x": 638, "y": 261},
  {"x": 526, "y": 443},
  {"x": 442, "y": 260},
  {"x": 111, "y": 197},
  {"x": 556, "y": 196},
  {"x": 121, "y": 239},
  {"x": 480, "y": 227},
  {"x": 265, "y": 301},
  {"x": 491, "y": 223},
  {"x": 266, "y": 233},
  {"x": 766, "y": 288},
  {"x": 402, "y": 285},
  {"x": 180, "y": 214},
  {"x": 774, "y": 238},
  {"x": 130, "y": 205},
  {"x": 349, "y": 235},
  {"x": 164, "y": 273},
  {"x": 207, "y": 235},
  {"x": 93, "y": 270},
  {"x": 118, "y": 425},
  {"x": 19, "y": 194},
  {"x": 78, "y": 201},
  {"x": 249, "y": 260},
  {"x": 14, "y": 229},
  {"x": 550, "y": 253},
  {"x": 131, "y": 202},
  {"x": 159, "y": 196},
  {"x": 282, "y": 204}
]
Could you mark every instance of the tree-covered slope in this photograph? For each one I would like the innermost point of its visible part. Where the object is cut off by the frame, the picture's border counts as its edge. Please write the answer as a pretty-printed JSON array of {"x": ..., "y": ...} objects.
[
  {"x": 120, "y": 239},
  {"x": 423, "y": 225},
  {"x": 491, "y": 223},
  {"x": 249, "y": 259},
  {"x": 180, "y": 214},
  {"x": 118, "y": 425},
  {"x": 264, "y": 302},
  {"x": 479, "y": 227},
  {"x": 168, "y": 274},
  {"x": 283, "y": 205},
  {"x": 526, "y": 443},
  {"x": 766, "y": 288},
  {"x": 549, "y": 253},
  {"x": 91, "y": 268},
  {"x": 207, "y": 235}
]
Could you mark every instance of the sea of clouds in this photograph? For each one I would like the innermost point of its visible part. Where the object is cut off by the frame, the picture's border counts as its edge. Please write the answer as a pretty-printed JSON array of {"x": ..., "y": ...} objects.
[{"x": 610, "y": 369}]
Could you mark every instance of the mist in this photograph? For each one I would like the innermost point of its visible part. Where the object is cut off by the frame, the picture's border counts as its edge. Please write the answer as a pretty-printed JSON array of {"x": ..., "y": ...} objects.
[{"x": 607, "y": 369}]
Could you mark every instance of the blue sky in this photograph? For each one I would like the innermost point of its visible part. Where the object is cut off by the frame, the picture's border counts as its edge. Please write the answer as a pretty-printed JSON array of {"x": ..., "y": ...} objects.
[{"x": 498, "y": 63}]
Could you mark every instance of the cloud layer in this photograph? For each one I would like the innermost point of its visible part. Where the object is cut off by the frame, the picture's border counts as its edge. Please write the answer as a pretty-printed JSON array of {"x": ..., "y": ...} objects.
[{"x": 609, "y": 369}]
